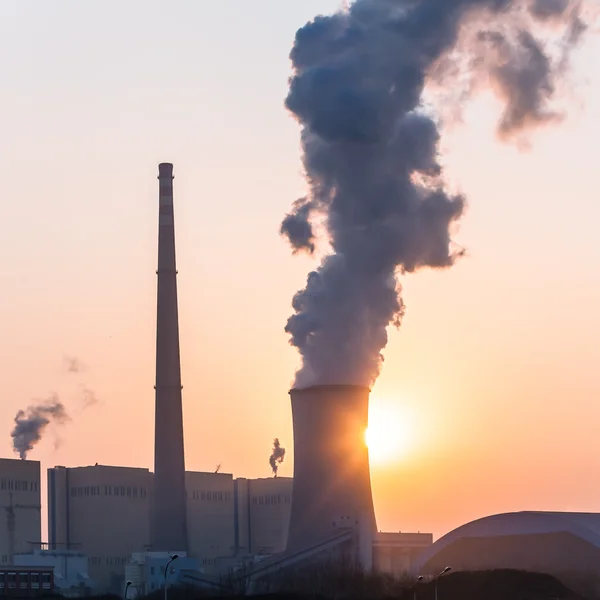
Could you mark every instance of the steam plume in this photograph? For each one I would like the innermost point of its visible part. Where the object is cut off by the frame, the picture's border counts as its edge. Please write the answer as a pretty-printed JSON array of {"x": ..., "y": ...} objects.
[
  {"x": 277, "y": 456},
  {"x": 30, "y": 424},
  {"x": 371, "y": 152}
]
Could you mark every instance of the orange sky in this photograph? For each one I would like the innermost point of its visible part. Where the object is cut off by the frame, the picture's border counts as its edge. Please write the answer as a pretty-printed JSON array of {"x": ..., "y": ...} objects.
[{"x": 494, "y": 367}]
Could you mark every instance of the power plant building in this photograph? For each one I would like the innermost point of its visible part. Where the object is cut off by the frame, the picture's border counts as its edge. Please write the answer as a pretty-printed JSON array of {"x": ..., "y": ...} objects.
[
  {"x": 101, "y": 511},
  {"x": 105, "y": 513},
  {"x": 263, "y": 508},
  {"x": 20, "y": 521}
]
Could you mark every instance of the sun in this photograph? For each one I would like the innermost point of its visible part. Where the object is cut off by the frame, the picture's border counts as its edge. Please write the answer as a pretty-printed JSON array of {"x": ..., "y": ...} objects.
[{"x": 390, "y": 434}]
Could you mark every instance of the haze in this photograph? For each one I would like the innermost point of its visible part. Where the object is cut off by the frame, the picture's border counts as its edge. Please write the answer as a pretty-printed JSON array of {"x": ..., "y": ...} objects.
[{"x": 494, "y": 368}]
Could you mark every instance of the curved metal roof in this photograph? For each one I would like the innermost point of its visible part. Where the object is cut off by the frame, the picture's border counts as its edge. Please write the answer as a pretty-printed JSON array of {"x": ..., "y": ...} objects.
[{"x": 583, "y": 525}]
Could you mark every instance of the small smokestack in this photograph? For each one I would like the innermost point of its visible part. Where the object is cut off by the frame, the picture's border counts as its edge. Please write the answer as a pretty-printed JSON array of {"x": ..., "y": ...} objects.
[
  {"x": 30, "y": 424},
  {"x": 277, "y": 456},
  {"x": 332, "y": 481}
]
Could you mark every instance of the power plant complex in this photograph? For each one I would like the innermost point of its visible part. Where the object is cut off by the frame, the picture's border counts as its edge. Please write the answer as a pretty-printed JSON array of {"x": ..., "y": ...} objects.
[
  {"x": 213, "y": 522},
  {"x": 108, "y": 525}
]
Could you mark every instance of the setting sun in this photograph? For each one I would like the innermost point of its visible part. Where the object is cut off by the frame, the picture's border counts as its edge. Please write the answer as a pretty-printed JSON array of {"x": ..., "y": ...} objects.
[{"x": 390, "y": 432}]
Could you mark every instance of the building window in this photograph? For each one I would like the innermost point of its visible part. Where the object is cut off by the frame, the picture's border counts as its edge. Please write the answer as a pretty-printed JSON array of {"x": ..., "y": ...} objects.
[
  {"x": 134, "y": 492},
  {"x": 202, "y": 495}
]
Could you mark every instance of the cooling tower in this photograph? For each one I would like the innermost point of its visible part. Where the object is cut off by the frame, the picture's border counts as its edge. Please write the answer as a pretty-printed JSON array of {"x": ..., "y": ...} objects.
[
  {"x": 332, "y": 481},
  {"x": 169, "y": 531}
]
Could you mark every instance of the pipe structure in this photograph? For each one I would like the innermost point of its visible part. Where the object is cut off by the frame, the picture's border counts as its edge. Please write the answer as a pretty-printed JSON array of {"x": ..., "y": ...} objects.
[
  {"x": 169, "y": 531},
  {"x": 332, "y": 481}
]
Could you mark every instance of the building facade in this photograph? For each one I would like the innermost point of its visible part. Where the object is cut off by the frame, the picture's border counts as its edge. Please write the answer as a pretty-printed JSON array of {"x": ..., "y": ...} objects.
[
  {"x": 262, "y": 514},
  {"x": 103, "y": 512},
  {"x": 210, "y": 520},
  {"x": 20, "y": 519}
]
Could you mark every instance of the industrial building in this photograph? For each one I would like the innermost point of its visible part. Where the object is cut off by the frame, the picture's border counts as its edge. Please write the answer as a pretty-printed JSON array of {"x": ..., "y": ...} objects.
[
  {"x": 262, "y": 514},
  {"x": 105, "y": 513},
  {"x": 20, "y": 521},
  {"x": 101, "y": 511},
  {"x": 565, "y": 545},
  {"x": 69, "y": 570}
]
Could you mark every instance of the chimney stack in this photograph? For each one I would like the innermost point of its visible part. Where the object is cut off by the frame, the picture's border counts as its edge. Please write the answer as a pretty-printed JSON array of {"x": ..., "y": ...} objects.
[{"x": 169, "y": 531}]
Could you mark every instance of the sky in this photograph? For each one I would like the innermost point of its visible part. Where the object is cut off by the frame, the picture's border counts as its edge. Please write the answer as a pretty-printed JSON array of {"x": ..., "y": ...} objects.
[{"x": 488, "y": 399}]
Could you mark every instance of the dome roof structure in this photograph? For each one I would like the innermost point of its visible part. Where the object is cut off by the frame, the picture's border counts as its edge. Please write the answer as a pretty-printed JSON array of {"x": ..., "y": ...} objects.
[{"x": 566, "y": 545}]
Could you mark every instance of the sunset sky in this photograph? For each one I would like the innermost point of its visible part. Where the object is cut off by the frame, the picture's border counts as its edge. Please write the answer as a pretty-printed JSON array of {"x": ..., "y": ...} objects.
[{"x": 488, "y": 399}]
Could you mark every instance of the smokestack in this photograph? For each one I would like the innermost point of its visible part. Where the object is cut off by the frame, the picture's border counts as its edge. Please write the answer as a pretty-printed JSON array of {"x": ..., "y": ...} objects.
[
  {"x": 169, "y": 531},
  {"x": 332, "y": 481}
]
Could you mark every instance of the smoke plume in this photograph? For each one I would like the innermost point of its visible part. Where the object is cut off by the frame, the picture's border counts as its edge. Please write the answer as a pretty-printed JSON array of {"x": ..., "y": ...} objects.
[
  {"x": 30, "y": 424},
  {"x": 88, "y": 398},
  {"x": 74, "y": 365},
  {"x": 277, "y": 456},
  {"x": 370, "y": 152}
]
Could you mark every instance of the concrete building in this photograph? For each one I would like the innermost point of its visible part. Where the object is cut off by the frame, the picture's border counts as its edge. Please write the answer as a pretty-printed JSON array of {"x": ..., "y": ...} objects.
[
  {"x": 103, "y": 512},
  {"x": 210, "y": 517},
  {"x": 262, "y": 514},
  {"x": 71, "y": 578},
  {"x": 169, "y": 531},
  {"x": 20, "y": 519},
  {"x": 565, "y": 545}
]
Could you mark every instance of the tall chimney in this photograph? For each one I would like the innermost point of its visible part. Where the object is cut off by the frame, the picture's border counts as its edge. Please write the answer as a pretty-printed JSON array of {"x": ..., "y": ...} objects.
[
  {"x": 332, "y": 481},
  {"x": 169, "y": 531}
]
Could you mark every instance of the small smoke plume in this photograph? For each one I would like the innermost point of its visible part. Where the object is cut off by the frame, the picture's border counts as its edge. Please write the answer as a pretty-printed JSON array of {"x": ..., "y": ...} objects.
[
  {"x": 88, "y": 398},
  {"x": 74, "y": 365},
  {"x": 370, "y": 152},
  {"x": 30, "y": 424},
  {"x": 277, "y": 456}
]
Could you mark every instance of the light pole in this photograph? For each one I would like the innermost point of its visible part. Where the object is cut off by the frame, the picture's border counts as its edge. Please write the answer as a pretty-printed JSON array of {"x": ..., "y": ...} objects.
[
  {"x": 173, "y": 557},
  {"x": 436, "y": 580},
  {"x": 419, "y": 579},
  {"x": 126, "y": 588}
]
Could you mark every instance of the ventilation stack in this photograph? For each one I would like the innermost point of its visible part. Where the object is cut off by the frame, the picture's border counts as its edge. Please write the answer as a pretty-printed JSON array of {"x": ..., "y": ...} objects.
[
  {"x": 332, "y": 481},
  {"x": 169, "y": 531}
]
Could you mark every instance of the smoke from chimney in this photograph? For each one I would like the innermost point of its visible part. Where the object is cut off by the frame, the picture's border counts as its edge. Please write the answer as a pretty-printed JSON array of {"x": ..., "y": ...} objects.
[
  {"x": 277, "y": 456},
  {"x": 30, "y": 424},
  {"x": 370, "y": 152},
  {"x": 74, "y": 365}
]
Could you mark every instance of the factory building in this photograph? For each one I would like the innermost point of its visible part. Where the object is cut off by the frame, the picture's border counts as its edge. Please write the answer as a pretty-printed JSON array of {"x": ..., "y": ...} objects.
[
  {"x": 105, "y": 513},
  {"x": 210, "y": 516},
  {"x": 263, "y": 508},
  {"x": 20, "y": 520}
]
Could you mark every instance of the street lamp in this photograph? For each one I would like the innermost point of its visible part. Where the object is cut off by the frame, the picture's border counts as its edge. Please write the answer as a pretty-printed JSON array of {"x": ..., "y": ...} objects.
[
  {"x": 173, "y": 557},
  {"x": 126, "y": 588},
  {"x": 436, "y": 579},
  {"x": 419, "y": 579}
]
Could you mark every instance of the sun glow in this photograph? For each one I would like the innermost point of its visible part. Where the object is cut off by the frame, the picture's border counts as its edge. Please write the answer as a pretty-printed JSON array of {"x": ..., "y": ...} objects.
[{"x": 390, "y": 434}]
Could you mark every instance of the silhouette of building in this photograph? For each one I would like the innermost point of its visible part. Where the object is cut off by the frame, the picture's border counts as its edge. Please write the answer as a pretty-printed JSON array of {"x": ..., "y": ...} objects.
[{"x": 20, "y": 519}]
